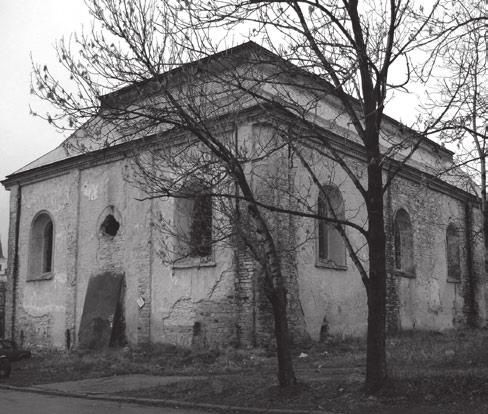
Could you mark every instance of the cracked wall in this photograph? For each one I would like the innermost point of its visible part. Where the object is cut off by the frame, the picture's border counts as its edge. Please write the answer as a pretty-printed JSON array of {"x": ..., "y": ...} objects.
[
  {"x": 194, "y": 305},
  {"x": 43, "y": 306},
  {"x": 429, "y": 300},
  {"x": 221, "y": 302}
]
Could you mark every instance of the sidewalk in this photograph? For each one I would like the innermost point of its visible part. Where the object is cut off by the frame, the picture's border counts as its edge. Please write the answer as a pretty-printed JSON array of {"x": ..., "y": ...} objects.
[
  {"x": 110, "y": 388},
  {"x": 119, "y": 388},
  {"x": 115, "y": 384}
]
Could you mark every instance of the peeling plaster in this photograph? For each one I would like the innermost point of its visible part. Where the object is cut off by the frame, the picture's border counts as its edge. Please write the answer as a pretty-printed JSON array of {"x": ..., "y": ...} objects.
[
  {"x": 216, "y": 284},
  {"x": 173, "y": 307},
  {"x": 90, "y": 191},
  {"x": 434, "y": 292}
]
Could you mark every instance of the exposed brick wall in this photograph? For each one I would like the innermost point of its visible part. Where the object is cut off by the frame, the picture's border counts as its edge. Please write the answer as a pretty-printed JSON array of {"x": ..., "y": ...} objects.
[
  {"x": 392, "y": 299},
  {"x": 428, "y": 300},
  {"x": 224, "y": 304},
  {"x": 245, "y": 297}
]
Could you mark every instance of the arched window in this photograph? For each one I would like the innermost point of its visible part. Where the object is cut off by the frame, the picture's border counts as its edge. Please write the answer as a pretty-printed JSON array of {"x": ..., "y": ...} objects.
[
  {"x": 41, "y": 248},
  {"x": 453, "y": 258},
  {"x": 403, "y": 242},
  {"x": 109, "y": 223},
  {"x": 331, "y": 249},
  {"x": 193, "y": 220}
]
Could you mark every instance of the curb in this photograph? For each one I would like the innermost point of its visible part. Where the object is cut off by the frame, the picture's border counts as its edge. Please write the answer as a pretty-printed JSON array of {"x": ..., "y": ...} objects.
[{"x": 162, "y": 402}]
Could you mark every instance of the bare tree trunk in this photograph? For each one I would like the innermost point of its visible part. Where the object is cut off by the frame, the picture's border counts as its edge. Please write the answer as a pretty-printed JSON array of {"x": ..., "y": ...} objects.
[
  {"x": 479, "y": 293},
  {"x": 376, "y": 286},
  {"x": 286, "y": 375},
  {"x": 477, "y": 285},
  {"x": 276, "y": 293},
  {"x": 484, "y": 210}
]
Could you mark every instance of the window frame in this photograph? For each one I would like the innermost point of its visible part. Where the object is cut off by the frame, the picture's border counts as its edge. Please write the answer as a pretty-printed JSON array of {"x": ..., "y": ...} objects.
[
  {"x": 449, "y": 276},
  {"x": 328, "y": 262},
  {"x": 403, "y": 271},
  {"x": 36, "y": 259},
  {"x": 187, "y": 261}
]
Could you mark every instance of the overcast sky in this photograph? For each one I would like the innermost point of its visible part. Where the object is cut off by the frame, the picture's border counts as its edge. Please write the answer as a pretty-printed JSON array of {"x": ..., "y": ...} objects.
[
  {"x": 28, "y": 26},
  {"x": 33, "y": 26}
]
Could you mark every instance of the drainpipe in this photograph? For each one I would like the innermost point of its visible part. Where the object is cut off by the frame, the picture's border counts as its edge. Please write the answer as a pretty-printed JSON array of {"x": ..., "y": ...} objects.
[
  {"x": 15, "y": 264},
  {"x": 74, "y": 338}
]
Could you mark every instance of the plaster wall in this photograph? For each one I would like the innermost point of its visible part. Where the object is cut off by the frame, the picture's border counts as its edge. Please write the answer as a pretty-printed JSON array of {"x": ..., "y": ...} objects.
[
  {"x": 429, "y": 300},
  {"x": 332, "y": 298},
  {"x": 193, "y": 305},
  {"x": 174, "y": 297},
  {"x": 41, "y": 306},
  {"x": 104, "y": 190},
  {"x": 218, "y": 302}
]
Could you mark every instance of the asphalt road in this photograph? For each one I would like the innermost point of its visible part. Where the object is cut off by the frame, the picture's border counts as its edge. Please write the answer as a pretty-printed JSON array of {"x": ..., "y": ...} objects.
[{"x": 17, "y": 402}]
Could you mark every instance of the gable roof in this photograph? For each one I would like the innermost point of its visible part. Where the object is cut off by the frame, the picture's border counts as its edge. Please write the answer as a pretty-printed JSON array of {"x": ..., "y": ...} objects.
[{"x": 63, "y": 151}]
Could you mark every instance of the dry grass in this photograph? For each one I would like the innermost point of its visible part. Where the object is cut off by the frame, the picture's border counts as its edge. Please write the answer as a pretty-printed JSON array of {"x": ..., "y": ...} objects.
[{"x": 447, "y": 372}]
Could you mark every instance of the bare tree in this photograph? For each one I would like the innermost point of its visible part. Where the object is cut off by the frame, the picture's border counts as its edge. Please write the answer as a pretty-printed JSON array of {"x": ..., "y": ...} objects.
[
  {"x": 460, "y": 92},
  {"x": 334, "y": 54}
]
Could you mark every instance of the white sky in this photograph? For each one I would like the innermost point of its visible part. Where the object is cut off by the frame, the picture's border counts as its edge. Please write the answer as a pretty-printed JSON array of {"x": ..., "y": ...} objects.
[
  {"x": 33, "y": 26},
  {"x": 28, "y": 26}
]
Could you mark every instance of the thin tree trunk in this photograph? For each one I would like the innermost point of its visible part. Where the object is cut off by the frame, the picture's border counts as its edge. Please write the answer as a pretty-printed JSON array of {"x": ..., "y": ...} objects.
[
  {"x": 484, "y": 210},
  {"x": 286, "y": 374},
  {"x": 376, "y": 289},
  {"x": 476, "y": 283},
  {"x": 276, "y": 294}
]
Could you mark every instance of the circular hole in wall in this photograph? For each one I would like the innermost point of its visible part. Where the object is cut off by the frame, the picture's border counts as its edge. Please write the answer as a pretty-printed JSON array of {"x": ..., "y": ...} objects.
[{"x": 110, "y": 226}]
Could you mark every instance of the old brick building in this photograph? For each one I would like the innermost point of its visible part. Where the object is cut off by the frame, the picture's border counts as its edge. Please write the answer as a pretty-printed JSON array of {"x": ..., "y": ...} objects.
[{"x": 75, "y": 220}]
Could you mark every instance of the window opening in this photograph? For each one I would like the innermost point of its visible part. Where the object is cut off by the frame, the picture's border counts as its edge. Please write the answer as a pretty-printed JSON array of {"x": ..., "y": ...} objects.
[
  {"x": 41, "y": 248},
  {"x": 453, "y": 257},
  {"x": 193, "y": 220},
  {"x": 331, "y": 247},
  {"x": 403, "y": 242},
  {"x": 48, "y": 247},
  {"x": 110, "y": 226}
]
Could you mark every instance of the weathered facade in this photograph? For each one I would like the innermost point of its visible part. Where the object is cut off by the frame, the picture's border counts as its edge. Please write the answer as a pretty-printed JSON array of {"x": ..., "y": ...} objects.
[
  {"x": 3, "y": 289},
  {"x": 75, "y": 217}
]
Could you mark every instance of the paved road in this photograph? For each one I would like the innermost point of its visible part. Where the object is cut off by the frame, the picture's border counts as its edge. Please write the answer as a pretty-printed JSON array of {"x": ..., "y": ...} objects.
[{"x": 16, "y": 402}]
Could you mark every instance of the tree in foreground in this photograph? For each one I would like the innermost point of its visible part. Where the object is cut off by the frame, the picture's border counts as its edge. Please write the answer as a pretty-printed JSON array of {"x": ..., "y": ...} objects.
[
  {"x": 333, "y": 54},
  {"x": 461, "y": 93}
]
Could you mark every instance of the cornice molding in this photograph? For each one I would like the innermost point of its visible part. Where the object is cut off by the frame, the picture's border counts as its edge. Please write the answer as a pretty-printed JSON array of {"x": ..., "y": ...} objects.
[{"x": 344, "y": 145}]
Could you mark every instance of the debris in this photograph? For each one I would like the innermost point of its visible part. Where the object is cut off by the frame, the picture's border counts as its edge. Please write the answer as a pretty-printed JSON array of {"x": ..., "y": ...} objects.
[{"x": 303, "y": 355}]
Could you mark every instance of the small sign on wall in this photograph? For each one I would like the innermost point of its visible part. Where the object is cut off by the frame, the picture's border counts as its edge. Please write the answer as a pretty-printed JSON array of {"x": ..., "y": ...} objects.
[{"x": 140, "y": 302}]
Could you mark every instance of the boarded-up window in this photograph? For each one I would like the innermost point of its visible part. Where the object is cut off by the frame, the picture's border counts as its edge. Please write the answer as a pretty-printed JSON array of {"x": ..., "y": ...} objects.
[
  {"x": 41, "y": 248},
  {"x": 193, "y": 220},
  {"x": 453, "y": 258},
  {"x": 403, "y": 243},
  {"x": 330, "y": 243},
  {"x": 102, "y": 321}
]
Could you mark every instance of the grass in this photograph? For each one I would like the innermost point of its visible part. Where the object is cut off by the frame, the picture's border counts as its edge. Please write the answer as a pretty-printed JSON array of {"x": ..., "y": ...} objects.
[{"x": 447, "y": 372}]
